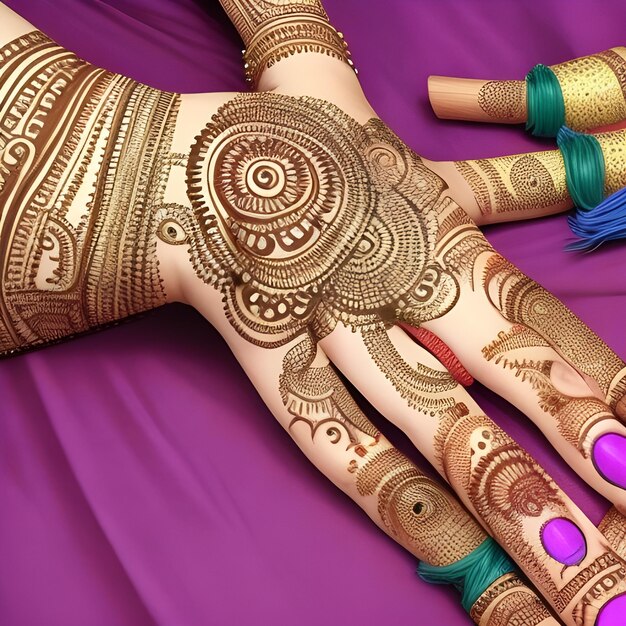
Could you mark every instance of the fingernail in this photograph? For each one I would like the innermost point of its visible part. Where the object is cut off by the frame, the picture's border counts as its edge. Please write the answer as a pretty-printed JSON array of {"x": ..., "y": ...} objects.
[
  {"x": 564, "y": 541},
  {"x": 612, "y": 613},
  {"x": 609, "y": 457}
]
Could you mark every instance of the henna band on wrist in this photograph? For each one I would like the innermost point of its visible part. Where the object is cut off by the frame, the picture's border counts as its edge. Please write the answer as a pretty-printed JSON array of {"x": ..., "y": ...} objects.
[{"x": 288, "y": 35}]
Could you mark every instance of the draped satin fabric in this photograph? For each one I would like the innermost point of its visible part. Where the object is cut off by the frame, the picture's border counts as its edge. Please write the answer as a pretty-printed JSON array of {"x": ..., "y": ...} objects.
[{"x": 142, "y": 480}]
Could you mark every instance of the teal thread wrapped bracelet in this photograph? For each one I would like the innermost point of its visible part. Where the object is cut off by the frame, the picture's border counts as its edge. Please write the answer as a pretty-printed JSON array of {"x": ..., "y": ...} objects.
[
  {"x": 596, "y": 219},
  {"x": 472, "y": 574},
  {"x": 584, "y": 167},
  {"x": 544, "y": 102}
]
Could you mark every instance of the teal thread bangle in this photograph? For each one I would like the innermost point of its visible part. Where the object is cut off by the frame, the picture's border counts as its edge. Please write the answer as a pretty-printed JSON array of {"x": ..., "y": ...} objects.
[
  {"x": 472, "y": 574},
  {"x": 544, "y": 102},
  {"x": 584, "y": 167}
]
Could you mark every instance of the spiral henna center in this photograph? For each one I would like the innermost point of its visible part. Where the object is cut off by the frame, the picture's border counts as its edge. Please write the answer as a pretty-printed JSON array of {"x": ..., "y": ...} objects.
[{"x": 303, "y": 217}]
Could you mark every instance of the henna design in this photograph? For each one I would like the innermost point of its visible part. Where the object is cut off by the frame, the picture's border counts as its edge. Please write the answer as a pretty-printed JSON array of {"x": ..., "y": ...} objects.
[
  {"x": 516, "y": 183},
  {"x": 503, "y": 99},
  {"x": 593, "y": 89},
  {"x": 416, "y": 511},
  {"x": 508, "y": 602},
  {"x": 422, "y": 387},
  {"x": 276, "y": 29},
  {"x": 442, "y": 352},
  {"x": 77, "y": 250},
  {"x": 316, "y": 396},
  {"x": 413, "y": 509},
  {"x": 523, "y": 301},
  {"x": 574, "y": 417},
  {"x": 307, "y": 218},
  {"x": 518, "y": 337},
  {"x": 613, "y": 527},
  {"x": 248, "y": 16},
  {"x": 515, "y": 499}
]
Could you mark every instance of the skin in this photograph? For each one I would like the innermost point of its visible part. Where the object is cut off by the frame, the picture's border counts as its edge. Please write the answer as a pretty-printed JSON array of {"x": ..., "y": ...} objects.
[
  {"x": 593, "y": 88},
  {"x": 378, "y": 238}
]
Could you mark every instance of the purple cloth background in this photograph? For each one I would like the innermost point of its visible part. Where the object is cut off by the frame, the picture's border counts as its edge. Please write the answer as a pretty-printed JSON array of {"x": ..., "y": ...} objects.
[{"x": 142, "y": 481}]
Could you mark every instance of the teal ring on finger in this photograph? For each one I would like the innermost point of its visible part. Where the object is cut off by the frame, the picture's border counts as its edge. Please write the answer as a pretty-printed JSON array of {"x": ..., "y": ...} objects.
[
  {"x": 544, "y": 102},
  {"x": 473, "y": 574}
]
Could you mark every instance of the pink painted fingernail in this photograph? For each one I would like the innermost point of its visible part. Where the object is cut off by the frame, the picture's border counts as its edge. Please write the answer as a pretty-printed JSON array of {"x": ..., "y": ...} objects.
[
  {"x": 613, "y": 612},
  {"x": 609, "y": 457},
  {"x": 564, "y": 541}
]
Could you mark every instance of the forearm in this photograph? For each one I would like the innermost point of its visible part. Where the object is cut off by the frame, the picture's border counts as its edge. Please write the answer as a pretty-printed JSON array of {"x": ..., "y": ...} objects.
[{"x": 83, "y": 161}]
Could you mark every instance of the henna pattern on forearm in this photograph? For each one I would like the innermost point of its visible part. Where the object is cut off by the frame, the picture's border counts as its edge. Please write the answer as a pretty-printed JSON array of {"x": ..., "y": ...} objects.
[
  {"x": 276, "y": 29},
  {"x": 510, "y": 184},
  {"x": 81, "y": 162}
]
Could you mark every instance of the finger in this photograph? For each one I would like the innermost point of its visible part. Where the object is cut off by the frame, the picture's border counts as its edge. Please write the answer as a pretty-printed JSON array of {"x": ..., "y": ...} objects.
[
  {"x": 525, "y": 186},
  {"x": 521, "y": 300},
  {"x": 309, "y": 400},
  {"x": 613, "y": 527},
  {"x": 491, "y": 329},
  {"x": 521, "y": 366},
  {"x": 592, "y": 88},
  {"x": 501, "y": 484}
]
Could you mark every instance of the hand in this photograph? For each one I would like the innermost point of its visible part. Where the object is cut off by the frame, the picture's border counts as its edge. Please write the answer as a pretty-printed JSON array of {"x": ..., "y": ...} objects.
[
  {"x": 287, "y": 308},
  {"x": 375, "y": 241}
]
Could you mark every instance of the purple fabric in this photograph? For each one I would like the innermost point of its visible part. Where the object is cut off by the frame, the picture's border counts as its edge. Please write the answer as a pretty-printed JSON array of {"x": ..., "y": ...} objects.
[{"x": 142, "y": 481}]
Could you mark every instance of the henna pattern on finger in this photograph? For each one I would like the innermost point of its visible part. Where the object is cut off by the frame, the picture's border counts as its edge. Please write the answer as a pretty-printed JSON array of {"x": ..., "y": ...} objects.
[
  {"x": 516, "y": 499},
  {"x": 516, "y": 183},
  {"x": 418, "y": 512},
  {"x": 574, "y": 417},
  {"x": 77, "y": 245},
  {"x": 517, "y": 605},
  {"x": 503, "y": 99},
  {"x": 523, "y": 301},
  {"x": 413, "y": 509},
  {"x": 316, "y": 396},
  {"x": 613, "y": 527},
  {"x": 423, "y": 387}
]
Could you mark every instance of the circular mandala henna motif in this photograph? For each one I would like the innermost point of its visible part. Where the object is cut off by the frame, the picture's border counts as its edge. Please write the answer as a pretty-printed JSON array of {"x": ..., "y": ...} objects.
[
  {"x": 280, "y": 189},
  {"x": 305, "y": 217}
]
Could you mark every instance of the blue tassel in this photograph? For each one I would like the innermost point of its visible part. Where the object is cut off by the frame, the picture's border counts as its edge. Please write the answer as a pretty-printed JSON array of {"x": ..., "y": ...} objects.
[{"x": 603, "y": 223}]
